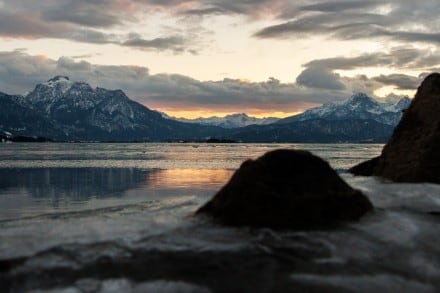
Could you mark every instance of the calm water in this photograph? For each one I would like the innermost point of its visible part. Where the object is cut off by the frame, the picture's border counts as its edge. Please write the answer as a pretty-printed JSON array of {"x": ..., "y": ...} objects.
[
  {"x": 117, "y": 217},
  {"x": 43, "y": 178}
]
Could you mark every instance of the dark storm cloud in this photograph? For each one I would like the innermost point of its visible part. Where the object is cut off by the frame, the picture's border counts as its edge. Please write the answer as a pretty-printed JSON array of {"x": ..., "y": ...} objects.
[
  {"x": 90, "y": 36},
  {"x": 322, "y": 15},
  {"x": 406, "y": 21},
  {"x": 337, "y": 6},
  {"x": 174, "y": 43},
  {"x": 342, "y": 25},
  {"x": 83, "y": 16},
  {"x": 321, "y": 73},
  {"x": 204, "y": 11},
  {"x": 12, "y": 25},
  {"x": 83, "y": 21},
  {"x": 164, "y": 2},
  {"x": 329, "y": 24},
  {"x": 415, "y": 36},
  {"x": 399, "y": 57},
  {"x": 400, "y": 81},
  {"x": 32, "y": 27},
  {"x": 248, "y": 7},
  {"x": 317, "y": 84},
  {"x": 315, "y": 77},
  {"x": 68, "y": 64},
  {"x": 96, "y": 13},
  {"x": 19, "y": 72},
  {"x": 90, "y": 21},
  {"x": 370, "y": 30}
]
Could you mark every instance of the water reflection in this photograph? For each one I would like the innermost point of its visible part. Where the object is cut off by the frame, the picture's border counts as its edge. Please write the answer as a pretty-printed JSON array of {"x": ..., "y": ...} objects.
[
  {"x": 35, "y": 191},
  {"x": 189, "y": 178},
  {"x": 76, "y": 183}
]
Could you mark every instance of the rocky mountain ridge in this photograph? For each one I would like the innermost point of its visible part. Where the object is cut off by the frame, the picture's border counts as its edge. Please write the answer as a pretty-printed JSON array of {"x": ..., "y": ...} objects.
[
  {"x": 74, "y": 111},
  {"x": 358, "y": 106},
  {"x": 63, "y": 110}
]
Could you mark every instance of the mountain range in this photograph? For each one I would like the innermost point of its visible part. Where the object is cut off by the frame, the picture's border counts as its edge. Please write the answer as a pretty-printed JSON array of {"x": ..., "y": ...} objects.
[
  {"x": 74, "y": 111},
  {"x": 357, "y": 119},
  {"x": 63, "y": 110},
  {"x": 229, "y": 121},
  {"x": 358, "y": 106}
]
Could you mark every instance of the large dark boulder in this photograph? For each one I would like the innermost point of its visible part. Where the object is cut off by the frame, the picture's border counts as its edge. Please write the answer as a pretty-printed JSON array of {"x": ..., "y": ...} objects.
[
  {"x": 413, "y": 152},
  {"x": 286, "y": 189}
]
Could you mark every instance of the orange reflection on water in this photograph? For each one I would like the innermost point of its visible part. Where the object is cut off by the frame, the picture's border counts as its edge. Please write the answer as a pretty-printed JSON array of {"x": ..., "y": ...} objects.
[{"x": 189, "y": 178}]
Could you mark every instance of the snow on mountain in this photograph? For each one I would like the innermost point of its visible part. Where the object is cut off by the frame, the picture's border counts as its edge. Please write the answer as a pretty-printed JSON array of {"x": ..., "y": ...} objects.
[
  {"x": 61, "y": 98},
  {"x": 52, "y": 90},
  {"x": 358, "y": 106},
  {"x": 401, "y": 105},
  {"x": 77, "y": 105},
  {"x": 66, "y": 110},
  {"x": 60, "y": 83},
  {"x": 229, "y": 121}
]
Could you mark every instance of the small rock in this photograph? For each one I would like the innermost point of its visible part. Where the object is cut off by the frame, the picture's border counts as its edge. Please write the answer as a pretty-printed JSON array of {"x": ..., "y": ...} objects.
[
  {"x": 286, "y": 189},
  {"x": 412, "y": 154}
]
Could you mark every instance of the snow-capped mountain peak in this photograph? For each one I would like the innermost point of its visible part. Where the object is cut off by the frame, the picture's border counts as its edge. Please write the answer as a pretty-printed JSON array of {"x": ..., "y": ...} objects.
[
  {"x": 59, "y": 83},
  {"x": 360, "y": 98},
  {"x": 51, "y": 90},
  {"x": 358, "y": 106},
  {"x": 361, "y": 102},
  {"x": 60, "y": 95},
  {"x": 58, "y": 78},
  {"x": 63, "y": 109}
]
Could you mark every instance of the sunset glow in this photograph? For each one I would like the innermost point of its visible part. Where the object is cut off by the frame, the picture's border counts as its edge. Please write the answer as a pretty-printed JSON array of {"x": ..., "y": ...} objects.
[
  {"x": 187, "y": 178},
  {"x": 202, "y": 58},
  {"x": 192, "y": 114}
]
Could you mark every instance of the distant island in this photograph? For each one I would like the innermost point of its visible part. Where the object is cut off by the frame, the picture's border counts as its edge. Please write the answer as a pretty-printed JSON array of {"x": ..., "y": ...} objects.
[{"x": 68, "y": 111}]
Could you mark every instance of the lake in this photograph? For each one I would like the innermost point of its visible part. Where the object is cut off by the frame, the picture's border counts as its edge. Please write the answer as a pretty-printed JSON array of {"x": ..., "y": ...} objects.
[{"x": 93, "y": 217}]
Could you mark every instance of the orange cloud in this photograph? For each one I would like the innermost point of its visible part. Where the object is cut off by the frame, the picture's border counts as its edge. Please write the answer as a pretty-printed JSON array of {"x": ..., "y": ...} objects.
[{"x": 191, "y": 112}]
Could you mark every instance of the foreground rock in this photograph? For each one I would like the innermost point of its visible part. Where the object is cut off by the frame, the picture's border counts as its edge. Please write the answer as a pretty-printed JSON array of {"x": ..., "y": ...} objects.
[
  {"x": 286, "y": 189},
  {"x": 413, "y": 152}
]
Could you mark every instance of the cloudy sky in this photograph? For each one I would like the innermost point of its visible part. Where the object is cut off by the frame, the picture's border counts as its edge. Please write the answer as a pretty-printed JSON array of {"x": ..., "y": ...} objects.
[{"x": 205, "y": 57}]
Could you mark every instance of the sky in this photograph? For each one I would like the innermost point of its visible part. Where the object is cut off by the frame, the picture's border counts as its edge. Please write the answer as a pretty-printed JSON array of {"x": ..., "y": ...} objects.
[{"x": 217, "y": 57}]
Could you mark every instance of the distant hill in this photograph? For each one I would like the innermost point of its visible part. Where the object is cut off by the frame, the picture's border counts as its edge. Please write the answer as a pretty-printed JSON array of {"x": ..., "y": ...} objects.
[
  {"x": 316, "y": 131},
  {"x": 65, "y": 110},
  {"x": 229, "y": 121}
]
